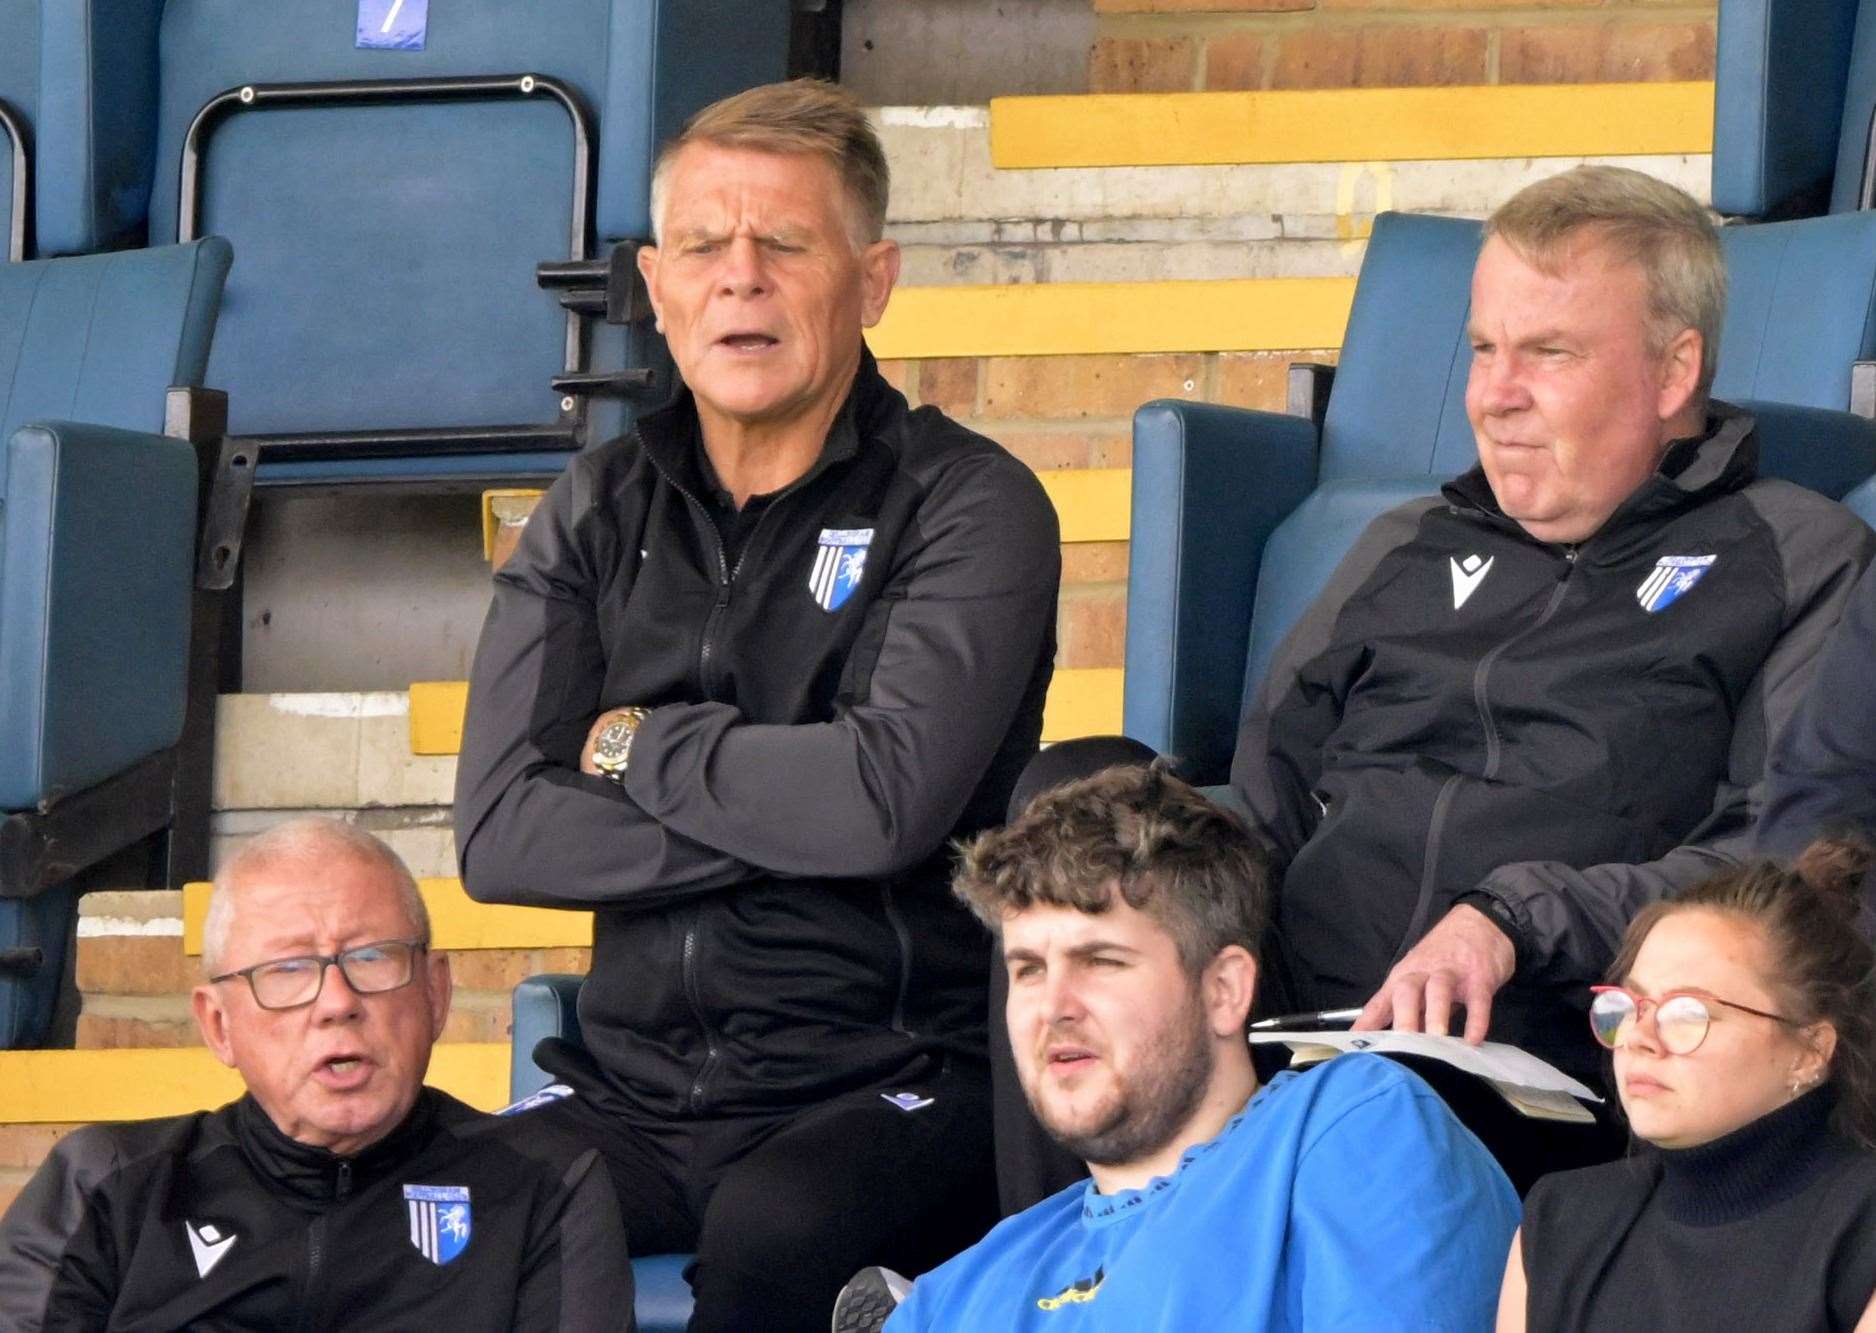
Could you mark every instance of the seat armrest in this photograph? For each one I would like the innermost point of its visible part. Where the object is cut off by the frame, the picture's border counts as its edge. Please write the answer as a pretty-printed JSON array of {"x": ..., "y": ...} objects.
[
  {"x": 545, "y": 1006},
  {"x": 1210, "y": 483},
  {"x": 97, "y": 557}
]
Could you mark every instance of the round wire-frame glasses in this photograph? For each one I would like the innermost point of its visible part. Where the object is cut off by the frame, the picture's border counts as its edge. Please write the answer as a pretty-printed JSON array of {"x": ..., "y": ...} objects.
[{"x": 1681, "y": 1017}]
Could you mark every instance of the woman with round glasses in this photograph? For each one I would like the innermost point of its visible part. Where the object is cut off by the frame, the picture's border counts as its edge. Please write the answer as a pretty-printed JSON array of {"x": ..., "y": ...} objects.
[{"x": 1742, "y": 1018}]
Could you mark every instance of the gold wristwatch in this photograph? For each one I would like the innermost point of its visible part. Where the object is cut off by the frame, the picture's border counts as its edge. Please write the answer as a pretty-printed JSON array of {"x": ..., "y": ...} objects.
[{"x": 612, "y": 748}]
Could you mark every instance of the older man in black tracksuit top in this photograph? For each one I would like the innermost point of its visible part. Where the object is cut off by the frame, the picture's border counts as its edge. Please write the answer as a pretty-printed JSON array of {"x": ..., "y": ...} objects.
[
  {"x": 338, "y": 1192},
  {"x": 1529, "y": 706},
  {"x": 750, "y": 670}
]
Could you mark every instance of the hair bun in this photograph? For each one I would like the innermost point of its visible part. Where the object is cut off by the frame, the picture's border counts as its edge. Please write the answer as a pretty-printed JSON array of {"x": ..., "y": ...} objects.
[{"x": 1835, "y": 868}]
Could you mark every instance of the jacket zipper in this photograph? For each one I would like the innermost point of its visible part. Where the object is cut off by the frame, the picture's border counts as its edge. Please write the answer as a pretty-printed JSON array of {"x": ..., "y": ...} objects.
[
  {"x": 692, "y": 993},
  {"x": 905, "y": 958},
  {"x": 1449, "y": 790},
  {"x": 315, "y": 1262}
]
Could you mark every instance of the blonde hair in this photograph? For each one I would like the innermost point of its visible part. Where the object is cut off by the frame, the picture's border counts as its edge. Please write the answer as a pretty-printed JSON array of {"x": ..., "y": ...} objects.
[
  {"x": 1646, "y": 222},
  {"x": 311, "y": 837},
  {"x": 800, "y": 116}
]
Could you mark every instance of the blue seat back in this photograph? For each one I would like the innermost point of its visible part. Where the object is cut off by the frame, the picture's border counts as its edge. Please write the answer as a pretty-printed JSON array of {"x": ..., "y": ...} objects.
[
  {"x": 1399, "y": 403},
  {"x": 1779, "y": 115},
  {"x": 1800, "y": 307},
  {"x": 388, "y": 251},
  {"x": 1859, "y": 104},
  {"x": 81, "y": 77},
  {"x": 96, "y": 519},
  {"x": 19, "y": 97}
]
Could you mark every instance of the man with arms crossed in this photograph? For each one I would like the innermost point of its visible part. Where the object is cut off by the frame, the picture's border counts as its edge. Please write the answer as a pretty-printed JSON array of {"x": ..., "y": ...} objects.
[
  {"x": 749, "y": 671},
  {"x": 1346, "y": 1196},
  {"x": 339, "y": 1192}
]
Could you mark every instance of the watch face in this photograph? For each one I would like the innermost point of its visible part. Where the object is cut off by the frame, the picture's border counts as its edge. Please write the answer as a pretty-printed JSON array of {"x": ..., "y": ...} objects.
[{"x": 614, "y": 743}]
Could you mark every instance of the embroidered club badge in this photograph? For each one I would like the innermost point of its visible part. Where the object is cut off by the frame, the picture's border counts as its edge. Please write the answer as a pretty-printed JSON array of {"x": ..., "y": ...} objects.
[
  {"x": 1672, "y": 576},
  {"x": 839, "y": 563},
  {"x": 439, "y": 1220}
]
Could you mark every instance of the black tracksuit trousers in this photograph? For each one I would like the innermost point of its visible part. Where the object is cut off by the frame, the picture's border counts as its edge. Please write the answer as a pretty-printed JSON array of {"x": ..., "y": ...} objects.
[{"x": 781, "y": 1210}]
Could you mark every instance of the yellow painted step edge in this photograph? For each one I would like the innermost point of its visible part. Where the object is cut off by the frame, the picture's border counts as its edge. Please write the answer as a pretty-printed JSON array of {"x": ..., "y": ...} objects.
[
  {"x": 1115, "y": 318},
  {"x": 1083, "y": 701},
  {"x": 1093, "y": 504},
  {"x": 1352, "y": 125},
  {"x": 457, "y": 921},
  {"x": 80, "y": 1087}
]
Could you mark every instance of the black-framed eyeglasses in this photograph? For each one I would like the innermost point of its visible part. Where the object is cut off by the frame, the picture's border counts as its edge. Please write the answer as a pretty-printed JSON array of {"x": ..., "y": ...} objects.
[
  {"x": 370, "y": 969},
  {"x": 1681, "y": 1017}
]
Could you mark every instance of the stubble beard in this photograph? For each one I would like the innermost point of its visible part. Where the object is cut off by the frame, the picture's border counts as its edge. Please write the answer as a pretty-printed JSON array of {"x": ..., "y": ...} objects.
[{"x": 1152, "y": 1105}]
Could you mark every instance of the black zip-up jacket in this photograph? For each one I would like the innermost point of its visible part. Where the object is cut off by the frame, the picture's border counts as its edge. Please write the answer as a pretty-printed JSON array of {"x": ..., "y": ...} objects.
[
  {"x": 773, "y": 922},
  {"x": 217, "y": 1220},
  {"x": 1533, "y": 733}
]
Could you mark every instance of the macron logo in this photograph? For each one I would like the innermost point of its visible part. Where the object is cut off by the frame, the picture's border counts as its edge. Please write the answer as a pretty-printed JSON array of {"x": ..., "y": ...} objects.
[
  {"x": 1468, "y": 574},
  {"x": 208, "y": 1245}
]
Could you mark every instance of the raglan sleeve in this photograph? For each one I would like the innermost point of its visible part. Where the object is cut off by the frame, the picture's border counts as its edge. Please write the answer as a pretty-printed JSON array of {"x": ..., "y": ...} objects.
[
  {"x": 56, "y": 1265},
  {"x": 577, "y": 1276}
]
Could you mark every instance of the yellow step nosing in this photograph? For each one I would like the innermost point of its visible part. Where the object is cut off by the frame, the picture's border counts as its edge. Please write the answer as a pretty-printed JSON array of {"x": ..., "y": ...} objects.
[
  {"x": 457, "y": 921},
  {"x": 1083, "y": 701},
  {"x": 82, "y": 1087},
  {"x": 1115, "y": 318},
  {"x": 1092, "y": 504},
  {"x": 1514, "y": 121}
]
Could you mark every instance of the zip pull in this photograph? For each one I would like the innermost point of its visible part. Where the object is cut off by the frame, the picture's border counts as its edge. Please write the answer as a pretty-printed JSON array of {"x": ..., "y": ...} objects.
[
  {"x": 1569, "y": 563},
  {"x": 342, "y": 1188}
]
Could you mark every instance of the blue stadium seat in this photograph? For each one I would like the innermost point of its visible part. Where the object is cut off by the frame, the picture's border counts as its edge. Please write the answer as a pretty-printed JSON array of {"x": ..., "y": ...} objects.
[
  {"x": 77, "y": 81},
  {"x": 1240, "y": 517},
  {"x": 548, "y": 1006},
  {"x": 385, "y": 324},
  {"x": 97, "y": 557},
  {"x": 19, "y": 99},
  {"x": 1795, "y": 87}
]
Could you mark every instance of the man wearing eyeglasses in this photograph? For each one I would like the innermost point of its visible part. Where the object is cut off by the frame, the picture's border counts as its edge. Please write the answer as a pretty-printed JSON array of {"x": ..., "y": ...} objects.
[{"x": 339, "y": 1190}]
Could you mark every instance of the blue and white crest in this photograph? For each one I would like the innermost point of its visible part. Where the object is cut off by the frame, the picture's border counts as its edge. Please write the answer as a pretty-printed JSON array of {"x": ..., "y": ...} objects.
[
  {"x": 1672, "y": 576},
  {"x": 839, "y": 563},
  {"x": 439, "y": 1220}
]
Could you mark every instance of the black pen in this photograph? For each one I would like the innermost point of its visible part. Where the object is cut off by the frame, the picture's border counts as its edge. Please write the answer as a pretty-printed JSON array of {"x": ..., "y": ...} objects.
[{"x": 1321, "y": 1018}]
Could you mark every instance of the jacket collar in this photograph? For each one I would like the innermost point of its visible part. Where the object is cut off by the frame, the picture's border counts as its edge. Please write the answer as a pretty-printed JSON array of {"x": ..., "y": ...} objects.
[
  {"x": 671, "y": 434},
  {"x": 1693, "y": 471},
  {"x": 316, "y": 1175}
]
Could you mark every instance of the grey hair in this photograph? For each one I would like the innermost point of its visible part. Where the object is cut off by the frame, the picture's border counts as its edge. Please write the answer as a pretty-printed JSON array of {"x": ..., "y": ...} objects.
[
  {"x": 308, "y": 838},
  {"x": 1660, "y": 229},
  {"x": 800, "y": 116}
]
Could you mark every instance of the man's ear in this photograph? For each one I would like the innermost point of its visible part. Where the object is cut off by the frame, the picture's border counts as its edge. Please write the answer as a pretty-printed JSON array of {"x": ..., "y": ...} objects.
[
  {"x": 439, "y": 982},
  {"x": 879, "y": 270},
  {"x": 1226, "y": 988},
  {"x": 211, "y": 1018},
  {"x": 648, "y": 270},
  {"x": 1680, "y": 373}
]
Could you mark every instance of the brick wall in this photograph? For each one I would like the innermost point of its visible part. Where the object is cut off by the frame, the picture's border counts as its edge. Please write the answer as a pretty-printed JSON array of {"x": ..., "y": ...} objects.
[
  {"x": 1230, "y": 45},
  {"x": 1077, "y": 411},
  {"x": 136, "y": 990}
]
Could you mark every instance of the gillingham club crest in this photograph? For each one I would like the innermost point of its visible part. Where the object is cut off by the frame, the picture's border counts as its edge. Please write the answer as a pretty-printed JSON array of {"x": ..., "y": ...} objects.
[
  {"x": 1672, "y": 576},
  {"x": 439, "y": 1220},
  {"x": 839, "y": 564}
]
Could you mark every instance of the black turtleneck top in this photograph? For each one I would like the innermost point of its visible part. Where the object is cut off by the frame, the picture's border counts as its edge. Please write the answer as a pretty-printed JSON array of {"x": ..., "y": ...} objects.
[{"x": 1771, "y": 1227}]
